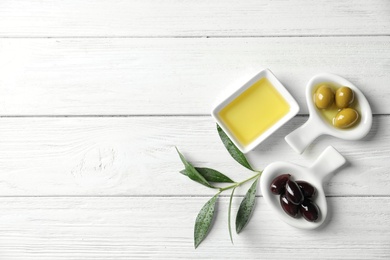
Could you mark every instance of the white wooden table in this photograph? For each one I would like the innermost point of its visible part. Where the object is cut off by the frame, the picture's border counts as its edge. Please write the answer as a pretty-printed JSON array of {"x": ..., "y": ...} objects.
[{"x": 94, "y": 95}]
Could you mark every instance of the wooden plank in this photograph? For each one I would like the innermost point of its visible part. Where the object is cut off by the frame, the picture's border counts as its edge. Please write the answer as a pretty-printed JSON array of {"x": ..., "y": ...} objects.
[
  {"x": 162, "y": 228},
  {"x": 136, "y": 156},
  {"x": 175, "y": 76},
  {"x": 142, "y": 18}
]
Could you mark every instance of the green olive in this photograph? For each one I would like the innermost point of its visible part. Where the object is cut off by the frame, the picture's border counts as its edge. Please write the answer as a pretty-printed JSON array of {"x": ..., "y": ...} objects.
[
  {"x": 324, "y": 97},
  {"x": 346, "y": 118},
  {"x": 344, "y": 97}
]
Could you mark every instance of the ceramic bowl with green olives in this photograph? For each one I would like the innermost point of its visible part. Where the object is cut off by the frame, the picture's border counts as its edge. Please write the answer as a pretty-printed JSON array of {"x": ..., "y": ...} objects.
[{"x": 336, "y": 107}]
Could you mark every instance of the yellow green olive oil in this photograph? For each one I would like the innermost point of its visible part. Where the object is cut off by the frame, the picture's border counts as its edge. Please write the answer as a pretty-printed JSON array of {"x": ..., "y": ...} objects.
[{"x": 254, "y": 111}]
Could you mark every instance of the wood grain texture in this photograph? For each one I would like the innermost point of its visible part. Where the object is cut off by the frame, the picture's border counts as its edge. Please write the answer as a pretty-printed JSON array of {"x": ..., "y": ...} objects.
[
  {"x": 78, "y": 180},
  {"x": 175, "y": 76},
  {"x": 140, "y": 18},
  {"x": 136, "y": 156},
  {"x": 162, "y": 228}
]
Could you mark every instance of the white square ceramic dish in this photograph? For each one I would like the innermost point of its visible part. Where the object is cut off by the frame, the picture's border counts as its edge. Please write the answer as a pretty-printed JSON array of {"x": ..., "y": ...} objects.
[{"x": 293, "y": 109}]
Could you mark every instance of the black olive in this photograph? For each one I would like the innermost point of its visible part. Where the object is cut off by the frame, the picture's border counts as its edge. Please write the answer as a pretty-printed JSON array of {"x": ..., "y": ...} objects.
[
  {"x": 307, "y": 189},
  {"x": 309, "y": 210},
  {"x": 293, "y": 192},
  {"x": 288, "y": 207},
  {"x": 277, "y": 185}
]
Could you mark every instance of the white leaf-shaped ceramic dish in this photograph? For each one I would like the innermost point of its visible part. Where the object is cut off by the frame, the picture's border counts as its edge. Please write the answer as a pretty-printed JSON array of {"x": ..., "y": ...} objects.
[
  {"x": 300, "y": 138},
  {"x": 328, "y": 162}
]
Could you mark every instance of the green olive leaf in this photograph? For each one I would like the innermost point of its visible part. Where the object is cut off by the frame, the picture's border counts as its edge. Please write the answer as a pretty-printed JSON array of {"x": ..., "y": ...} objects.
[
  {"x": 232, "y": 149},
  {"x": 204, "y": 220},
  {"x": 192, "y": 173},
  {"x": 211, "y": 175},
  {"x": 246, "y": 207},
  {"x": 229, "y": 215}
]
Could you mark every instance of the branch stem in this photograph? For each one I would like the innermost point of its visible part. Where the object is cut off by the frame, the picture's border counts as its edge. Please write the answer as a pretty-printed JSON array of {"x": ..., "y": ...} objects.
[{"x": 237, "y": 184}]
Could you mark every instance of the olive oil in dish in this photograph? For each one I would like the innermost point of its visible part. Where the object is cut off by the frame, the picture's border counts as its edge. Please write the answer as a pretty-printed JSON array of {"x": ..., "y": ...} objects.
[{"x": 254, "y": 111}]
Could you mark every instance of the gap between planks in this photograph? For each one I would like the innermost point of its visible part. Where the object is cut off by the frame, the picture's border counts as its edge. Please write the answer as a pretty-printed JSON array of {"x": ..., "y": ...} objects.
[
  {"x": 172, "y": 196},
  {"x": 192, "y": 37},
  {"x": 132, "y": 115}
]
